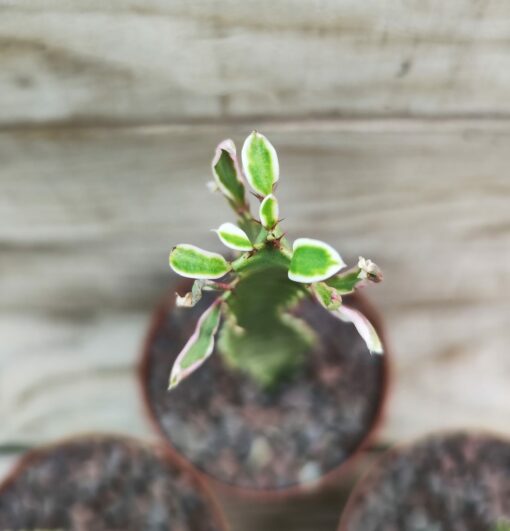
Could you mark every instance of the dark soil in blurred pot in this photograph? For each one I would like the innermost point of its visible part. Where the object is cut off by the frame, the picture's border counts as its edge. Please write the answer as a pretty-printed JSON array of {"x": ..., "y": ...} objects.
[
  {"x": 261, "y": 441},
  {"x": 452, "y": 482},
  {"x": 104, "y": 484}
]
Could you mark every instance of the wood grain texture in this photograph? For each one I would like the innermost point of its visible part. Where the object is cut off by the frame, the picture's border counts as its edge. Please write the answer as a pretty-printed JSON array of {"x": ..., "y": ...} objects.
[
  {"x": 143, "y": 61},
  {"x": 86, "y": 222},
  {"x": 109, "y": 113}
]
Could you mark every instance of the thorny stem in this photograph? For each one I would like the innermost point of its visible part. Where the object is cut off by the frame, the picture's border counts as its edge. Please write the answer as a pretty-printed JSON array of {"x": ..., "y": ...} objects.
[
  {"x": 259, "y": 334},
  {"x": 239, "y": 262}
]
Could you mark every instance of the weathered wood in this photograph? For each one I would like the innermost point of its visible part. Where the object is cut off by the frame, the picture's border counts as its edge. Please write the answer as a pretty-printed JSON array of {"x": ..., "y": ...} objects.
[
  {"x": 86, "y": 221},
  {"x": 155, "y": 61},
  {"x": 87, "y": 218},
  {"x": 90, "y": 206}
]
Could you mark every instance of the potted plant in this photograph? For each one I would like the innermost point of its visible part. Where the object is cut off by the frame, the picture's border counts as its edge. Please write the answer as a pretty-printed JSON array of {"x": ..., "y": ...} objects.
[
  {"x": 446, "y": 482},
  {"x": 105, "y": 483},
  {"x": 293, "y": 389}
]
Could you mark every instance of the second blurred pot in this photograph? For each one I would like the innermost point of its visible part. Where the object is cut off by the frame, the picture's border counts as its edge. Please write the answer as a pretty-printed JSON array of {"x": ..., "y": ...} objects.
[{"x": 445, "y": 482}]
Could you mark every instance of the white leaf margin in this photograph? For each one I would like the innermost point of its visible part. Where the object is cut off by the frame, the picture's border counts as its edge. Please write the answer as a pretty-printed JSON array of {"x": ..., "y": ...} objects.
[
  {"x": 206, "y": 254},
  {"x": 177, "y": 374},
  {"x": 364, "y": 327},
  {"x": 228, "y": 146},
  {"x": 267, "y": 223},
  {"x": 245, "y": 161},
  {"x": 333, "y": 269},
  {"x": 235, "y": 231}
]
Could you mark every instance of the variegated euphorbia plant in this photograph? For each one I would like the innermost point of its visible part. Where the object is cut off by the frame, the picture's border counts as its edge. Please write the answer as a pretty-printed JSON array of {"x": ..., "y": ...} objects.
[{"x": 258, "y": 289}]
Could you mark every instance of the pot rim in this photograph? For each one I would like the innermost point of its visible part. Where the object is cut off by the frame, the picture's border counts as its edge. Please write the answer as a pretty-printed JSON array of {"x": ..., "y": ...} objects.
[
  {"x": 367, "y": 480},
  {"x": 25, "y": 461},
  {"x": 167, "y": 304}
]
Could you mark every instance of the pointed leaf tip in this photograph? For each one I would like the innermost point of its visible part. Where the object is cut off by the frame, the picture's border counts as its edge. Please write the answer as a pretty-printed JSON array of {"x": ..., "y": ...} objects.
[
  {"x": 192, "y": 262},
  {"x": 363, "y": 326},
  {"x": 269, "y": 212},
  {"x": 226, "y": 172},
  {"x": 260, "y": 163},
  {"x": 198, "y": 347},
  {"x": 313, "y": 261},
  {"x": 234, "y": 237}
]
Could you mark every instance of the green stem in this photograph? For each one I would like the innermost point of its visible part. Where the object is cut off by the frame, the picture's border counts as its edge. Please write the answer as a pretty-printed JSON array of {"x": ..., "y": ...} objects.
[
  {"x": 238, "y": 263},
  {"x": 248, "y": 224}
]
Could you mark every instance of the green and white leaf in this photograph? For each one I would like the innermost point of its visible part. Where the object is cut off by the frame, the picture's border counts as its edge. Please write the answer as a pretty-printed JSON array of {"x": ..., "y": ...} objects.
[
  {"x": 269, "y": 212},
  {"x": 363, "y": 326},
  {"x": 348, "y": 281},
  {"x": 199, "y": 346},
  {"x": 192, "y": 262},
  {"x": 234, "y": 237},
  {"x": 192, "y": 297},
  {"x": 227, "y": 173},
  {"x": 327, "y": 296},
  {"x": 345, "y": 283},
  {"x": 260, "y": 163},
  {"x": 313, "y": 261}
]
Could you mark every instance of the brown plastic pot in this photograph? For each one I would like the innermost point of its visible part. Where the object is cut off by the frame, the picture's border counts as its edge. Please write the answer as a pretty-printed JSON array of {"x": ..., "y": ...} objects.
[
  {"x": 162, "y": 315},
  {"x": 96, "y": 500},
  {"x": 444, "y": 482}
]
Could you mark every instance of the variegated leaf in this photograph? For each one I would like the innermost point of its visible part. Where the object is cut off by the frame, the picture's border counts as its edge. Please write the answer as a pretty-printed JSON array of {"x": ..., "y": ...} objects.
[
  {"x": 260, "y": 163},
  {"x": 327, "y": 296},
  {"x": 227, "y": 173},
  {"x": 269, "y": 212},
  {"x": 313, "y": 261},
  {"x": 346, "y": 282},
  {"x": 363, "y": 326},
  {"x": 234, "y": 237},
  {"x": 199, "y": 346},
  {"x": 192, "y": 262}
]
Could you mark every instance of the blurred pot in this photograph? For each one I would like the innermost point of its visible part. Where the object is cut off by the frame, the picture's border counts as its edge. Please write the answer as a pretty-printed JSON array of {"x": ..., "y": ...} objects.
[{"x": 259, "y": 443}]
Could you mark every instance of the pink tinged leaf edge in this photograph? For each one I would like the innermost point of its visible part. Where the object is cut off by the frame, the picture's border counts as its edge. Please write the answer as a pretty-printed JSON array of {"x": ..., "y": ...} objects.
[
  {"x": 335, "y": 297},
  {"x": 177, "y": 375},
  {"x": 364, "y": 327},
  {"x": 228, "y": 146}
]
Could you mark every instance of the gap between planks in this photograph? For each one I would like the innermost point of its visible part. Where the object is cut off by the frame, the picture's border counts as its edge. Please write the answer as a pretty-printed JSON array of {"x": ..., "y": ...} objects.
[{"x": 369, "y": 124}]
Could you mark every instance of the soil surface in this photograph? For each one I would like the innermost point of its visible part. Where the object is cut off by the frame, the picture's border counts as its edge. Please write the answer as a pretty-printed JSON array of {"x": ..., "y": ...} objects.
[
  {"x": 226, "y": 425},
  {"x": 102, "y": 485},
  {"x": 458, "y": 482}
]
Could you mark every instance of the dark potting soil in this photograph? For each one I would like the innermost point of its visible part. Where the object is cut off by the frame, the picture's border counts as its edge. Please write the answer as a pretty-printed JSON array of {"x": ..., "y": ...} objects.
[
  {"x": 458, "y": 482},
  {"x": 226, "y": 425},
  {"x": 102, "y": 484}
]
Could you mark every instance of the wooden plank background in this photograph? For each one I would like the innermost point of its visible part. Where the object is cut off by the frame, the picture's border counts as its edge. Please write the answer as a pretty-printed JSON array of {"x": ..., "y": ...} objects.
[
  {"x": 392, "y": 125},
  {"x": 103, "y": 61}
]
